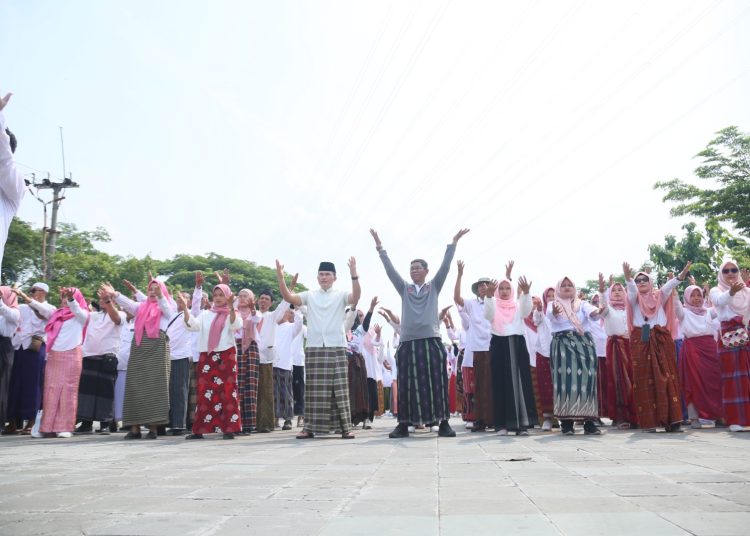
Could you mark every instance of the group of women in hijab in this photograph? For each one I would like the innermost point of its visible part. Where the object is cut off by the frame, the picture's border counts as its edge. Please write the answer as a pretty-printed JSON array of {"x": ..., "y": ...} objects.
[{"x": 636, "y": 354}]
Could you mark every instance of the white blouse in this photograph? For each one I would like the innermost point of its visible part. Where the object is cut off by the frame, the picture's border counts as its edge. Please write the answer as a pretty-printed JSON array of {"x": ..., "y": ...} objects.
[
  {"x": 202, "y": 324},
  {"x": 517, "y": 325}
]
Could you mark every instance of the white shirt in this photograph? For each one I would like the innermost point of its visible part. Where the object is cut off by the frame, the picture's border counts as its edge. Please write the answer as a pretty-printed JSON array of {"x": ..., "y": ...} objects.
[
  {"x": 31, "y": 324},
  {"x": 167, "y": 310},
  {"x": 661, "y": 318},
  {"x": 298, "y": 348},
  {"x": 126, "y": 339},
  {"x": 266, "y": 334},
  {"x": 478, "y": 333},
  {"x": 71, "y": 332},
  {"x": 11, "y": 187},
  {"x": 373, "y": 357},
  {"x": 543, "y": 332},
  {"x": 325, "y": 317},
  {"x": 615, "y": 320},
  {"x": 10, "y": 318},
  {"x": 202, "y": 324},
  {"x": 721, "y": 301},
  {"x": 286, "y": 332},
  {"x": 561, "y": 323},
  {"x": 517, "y": 326},
  {"x": 102, "y": 334},
  {"x": 694, "y": 325},
  {"x": 532, "y": 343},
  {"x": 180, "y": 338},
  {"x": 595, "y": 326}
]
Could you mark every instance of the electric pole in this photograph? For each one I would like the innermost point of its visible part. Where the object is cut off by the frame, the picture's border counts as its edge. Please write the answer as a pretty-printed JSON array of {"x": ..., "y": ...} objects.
[{"x": 57, "y": 188}]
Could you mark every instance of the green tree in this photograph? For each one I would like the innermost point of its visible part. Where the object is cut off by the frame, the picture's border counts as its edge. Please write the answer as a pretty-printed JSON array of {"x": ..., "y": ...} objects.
[
  {"x": 726, "y": 162},
  {"x": 23, "y": 253}
]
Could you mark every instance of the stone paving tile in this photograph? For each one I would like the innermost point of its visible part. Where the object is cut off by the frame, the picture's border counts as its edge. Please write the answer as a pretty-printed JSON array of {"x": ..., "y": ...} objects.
[
  {"x": 615, "y": 524},
  {"x": 712, "y": 523},
  {"x": 492, "y": 525}
]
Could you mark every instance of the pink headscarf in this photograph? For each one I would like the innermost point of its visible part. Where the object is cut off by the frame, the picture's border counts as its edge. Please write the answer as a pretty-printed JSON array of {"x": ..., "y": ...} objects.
[
  {"x": 62, "y": 315},
  {"x": 570, "y": 307},
  {"x": 148, "y": 316},
  {"x": 620, "y": 304},
  {"x": 505, "y": 310},
  {"x": 700, "y": 310},
  {"x": 740, "y": 302},
  {"x": 220, "y": 320},
  {"x": 649, "y": 303},
  {"x": 9, "y": 297}
]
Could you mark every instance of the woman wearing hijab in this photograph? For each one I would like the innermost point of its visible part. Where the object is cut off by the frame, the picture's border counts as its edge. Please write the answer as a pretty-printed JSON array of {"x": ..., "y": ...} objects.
[
  {"x": 699, "y": 367},
  {"x": 731, "y": 299},
  {"x": 514, "y": 408},
  {"x": 217, "y": 408},
  {"x": 65, "y": 331},
  {"x": 543, "y": 370},
  {"x": 573, "y": 359},
  {"x": 652, "y": 323},
  {"x": 10, "y": 317},
  {"x": 618, "y": 402},
  {"x": 147, "y": 384}
]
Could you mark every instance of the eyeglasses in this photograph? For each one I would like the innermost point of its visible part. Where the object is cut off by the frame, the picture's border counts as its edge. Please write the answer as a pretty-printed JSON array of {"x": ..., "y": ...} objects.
[
  {"x": 641, "y": 280},
  {"x": 730, "y": 271}
]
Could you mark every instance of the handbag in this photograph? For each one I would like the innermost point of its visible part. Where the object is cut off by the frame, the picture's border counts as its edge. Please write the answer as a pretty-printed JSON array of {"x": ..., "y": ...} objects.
[{"x": 735, "y": 338}]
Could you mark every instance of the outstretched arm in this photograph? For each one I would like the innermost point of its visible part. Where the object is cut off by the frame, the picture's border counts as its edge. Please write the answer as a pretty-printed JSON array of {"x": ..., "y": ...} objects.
[
  {"x": 288, "y": 295},
  {"x": 356, "y": 289},
  {"x": 457, "y": 289},
  {"x": 398, "y": 282},
  {"x": 442, "y": 272}
]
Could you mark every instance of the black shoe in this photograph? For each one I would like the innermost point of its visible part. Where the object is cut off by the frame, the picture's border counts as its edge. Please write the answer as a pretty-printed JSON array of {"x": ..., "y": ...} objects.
[
  {"x": 446, "y": 430},
  {"x": 177, "y": 432},
  {"x": 244, "y": 432},
  {"x": 287, "y": 425},
  {"x": 86, "y": 427},
  {"x": 228, "y": 435},
  {"x": 589, "y": 428},
  {"x": 152, "y": 435},
  {"x": 566, "y": 427},
  {"x": 161, "y": 430},
  {"x": 131, "y": 435},
  {"x": 112, "y": 427},
  {"x": 674, "y": 428},
  {"x": 194, "y": 436},
  {"x": 264, "y": 431},
  {"x": 401, "y": 430},
  {"x": 479, "y": 426}
]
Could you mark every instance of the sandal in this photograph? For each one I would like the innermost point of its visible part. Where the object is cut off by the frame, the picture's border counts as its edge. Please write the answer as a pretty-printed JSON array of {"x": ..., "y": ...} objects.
[
  {"x": 305, "y": 435},
  {"x": 347, "y": 435}
]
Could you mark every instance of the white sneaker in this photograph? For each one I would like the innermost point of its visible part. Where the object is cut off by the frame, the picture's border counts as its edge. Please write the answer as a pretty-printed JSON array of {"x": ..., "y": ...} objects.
[
  {"x": 411, "y": 429},
  {"x": 469, "y": 425},
  {"x": 696, "y": 425},
  {"x": 502, "y": 432},
  {"x": 434, "y": 428},
  {"x": 736, "y": 428},
  {"x": 37, "y": 435},
  {"x": 64, "y": 435},
  {"x": 546, "y": 425}
]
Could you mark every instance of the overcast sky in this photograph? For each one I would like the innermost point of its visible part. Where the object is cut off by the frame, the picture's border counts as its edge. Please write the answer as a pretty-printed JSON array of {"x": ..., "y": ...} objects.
[{"x": 287, "y": 129}]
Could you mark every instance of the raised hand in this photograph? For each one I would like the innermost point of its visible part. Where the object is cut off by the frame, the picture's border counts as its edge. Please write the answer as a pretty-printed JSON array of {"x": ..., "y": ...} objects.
[
  {"x": 685, "y": 271},
  {"x": 601, "y": 282},
  {"x": 443, "y": 312},
  {"x": 491, "y": 288},
  {"x": 130, "y": 286},
  {"x": 180, "y": 301},
  {"x": 611, "y": 279},
  {"x": 539, "y": 304},
  {"x": 627, "y": 271},
  {"x": 158, "y": 292},
  {"x": 4, "y": 101},
  {"x": 293, "y": 282},
  {"x": 108, "y": 289},
  {"x": 352, "y": 264},
  {"x": 68, "y": 293},
  {"x": 378, "y": 243},
  {"x": 691, "y": 280},
  {"x": 460, "y": 267},
  {"x": 377, "y": 329},
  {"x": 458, "y": 235},
  {"x": 373, "y": 303},
  {"x": 199, "y": 279},
  {"x": 223, "y": 276},
  {"x": 509, "y": 270},
  {"x": 736, "y": 287},
  {"x": 524, "y": 285},
  {"x": 279, "y": 269}
]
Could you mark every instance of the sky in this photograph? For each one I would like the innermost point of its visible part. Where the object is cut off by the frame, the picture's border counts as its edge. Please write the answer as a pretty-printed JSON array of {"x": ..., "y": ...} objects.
[{"x": 265, "y": 130}]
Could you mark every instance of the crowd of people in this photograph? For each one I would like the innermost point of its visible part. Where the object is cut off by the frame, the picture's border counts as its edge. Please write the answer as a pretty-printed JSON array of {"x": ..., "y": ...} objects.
[{"x": 197, "y": 363}]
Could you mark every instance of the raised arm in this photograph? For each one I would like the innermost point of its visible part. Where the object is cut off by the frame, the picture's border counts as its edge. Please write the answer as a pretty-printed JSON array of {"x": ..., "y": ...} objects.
[
  {"x": 356, "y": 289},
  {"x": 457, "y": 289},
  {"x": 287, "y": 294},
  {"x": 398, "y": 282},
  {"x": 442, "y": 272}
]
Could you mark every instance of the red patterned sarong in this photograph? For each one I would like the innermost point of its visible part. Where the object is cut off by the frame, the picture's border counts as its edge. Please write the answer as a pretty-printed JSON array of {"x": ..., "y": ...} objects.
[{"x": 217, "y": 408}]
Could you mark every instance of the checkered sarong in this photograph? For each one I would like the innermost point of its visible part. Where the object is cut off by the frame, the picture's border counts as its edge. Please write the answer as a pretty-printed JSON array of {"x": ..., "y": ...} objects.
[
  {"x": 248, "y": 366},
  {"x": 326, "y": 390}
]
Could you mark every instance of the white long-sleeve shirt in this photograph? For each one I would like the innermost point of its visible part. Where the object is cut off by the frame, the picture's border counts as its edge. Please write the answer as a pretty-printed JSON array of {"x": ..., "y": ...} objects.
[
  {"x": 561, "y": 323},
  {"x": 298, "y": 347},
  {"x": 10, "y": 318},
  {"x": 167, "y": 311},
  {"x": 517, "y": 325},
  {"x": 266, "y": 334},
  {"x": 615, "y": 320},
  {"x": 202, "y": 324},
  {"x": 71, "y": 332},
  {"x": 12, "y": 187},
  {"x": 181, "y": 340},
  {"x": 126, "y": 339},
  {"x": 102, "y": 334},
  {"x": 694, "y": 325},
  {"x": 286, "y": 333},
  {"x": 31, "y": 324},
  {"x": 721, "y": 301},
  {"x": 543, "y": 332},
  {"x": 661, "y": 318}
]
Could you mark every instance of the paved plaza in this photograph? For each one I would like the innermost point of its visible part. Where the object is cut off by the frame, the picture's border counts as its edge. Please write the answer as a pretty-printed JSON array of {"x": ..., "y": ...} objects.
[{"x": 623, "y": 482}]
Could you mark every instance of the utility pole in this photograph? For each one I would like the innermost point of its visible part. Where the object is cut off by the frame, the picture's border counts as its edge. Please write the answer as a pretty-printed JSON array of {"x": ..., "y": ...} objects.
[{"x": 57, "y": 188}]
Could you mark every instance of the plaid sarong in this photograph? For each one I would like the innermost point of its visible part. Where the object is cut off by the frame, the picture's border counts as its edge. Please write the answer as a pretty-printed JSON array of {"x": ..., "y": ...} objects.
[
  {"x": 422, "y": 382},
  {"x": 326, "y": 390},
  {"x": 266, "y": 416},
  {"x": 248, "y": 366},
  {"x": 359, "y": 401},
  {"x": 574, "y": 362},
  {"x": 735, "y": 380},
  {"x": 282, "y": 394}
]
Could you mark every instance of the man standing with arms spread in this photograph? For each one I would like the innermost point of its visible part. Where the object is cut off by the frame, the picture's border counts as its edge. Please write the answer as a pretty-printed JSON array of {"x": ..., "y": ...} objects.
[
  {"x": 420, "y": 358},
  {"x": 326, "y": 386}
]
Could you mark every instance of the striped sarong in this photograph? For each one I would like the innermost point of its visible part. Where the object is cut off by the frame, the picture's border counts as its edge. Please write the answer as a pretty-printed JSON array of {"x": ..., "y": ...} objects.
[
  {"x": 282, "y": 394},
  {"x": 266, "y": 417},
  {"x": 61, "y": 376},
  {"x": 574, "y": 362},
  {"x": 326, "y": 390},
  {"x": 381, "y": 399},
  {"x": 248, "y": 367},
  {"x": 147, "y": 384},
  {"x": 96, "y": 390},
  {"x": 512, "y": 391},
  {"x": 422, "y": 381},
  {"x": 656, "y": 385}
]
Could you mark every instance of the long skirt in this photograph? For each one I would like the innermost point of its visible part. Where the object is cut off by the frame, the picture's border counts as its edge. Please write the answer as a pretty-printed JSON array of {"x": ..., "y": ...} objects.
[
  {"x": 179, "y": 391},
  {"x": 656, "y": 385},
  {"x": 359, "y": 397},
  {"x": 381, "y": 399},
  {"x": 25, "y": 393},
  {"x": 120, "y": 382},
  {"x": 7, "y": 355},
  {"x": 535, "y": 387},
  {"x": 298, "y": 389},
  {"x": 282, "y": 394},
  {"x": 601, "y": 386},
  {"x": 460, "y": 383},
  {"x": 467, "y": 375},
  {"x": 387, "y": 398},
  {"x": 620, "y": 406},
  {"x": 372, "y": 398},
  {"x": 61, "y": 376},
  {"x": 248, "y": 366},
  {"x": 266, "y": 416},
  {"x": 573, "y": 359},
  {"x": 96, "y": 390},
  {"x": 700, "y": 376},
  {"x": 483, "y": 403},
  {"x": 544, "y": 380},
  {"x": 735, "y": 379},
  {"x": 192, "y": 394},
  {"x": 512, "y": 391},
  {"x": 326, "y": 390},
  {"x": 394, "y": 398},
  {"x": 217, "y": 409},
  {"x": 422, "y": 381},
  {"x": 147, "y": 386},
  {"x": 452, "y": 394}
]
